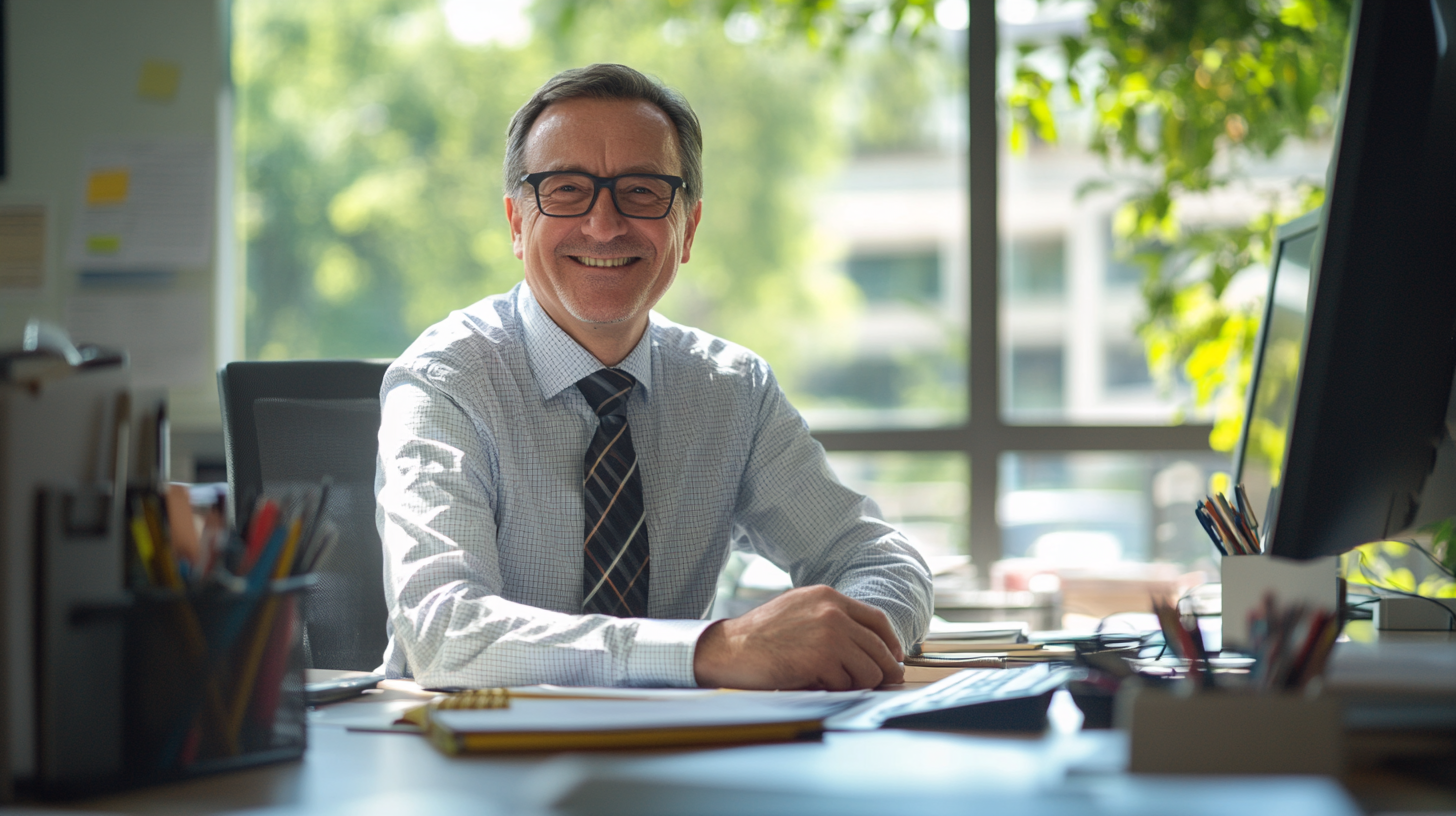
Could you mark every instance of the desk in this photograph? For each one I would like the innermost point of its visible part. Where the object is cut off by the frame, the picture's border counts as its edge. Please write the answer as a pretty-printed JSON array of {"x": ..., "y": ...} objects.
[
  {"x": 877, "y": 773},
  {"x": 874, "y": 773},
  {"x": 871, "y": 773}
]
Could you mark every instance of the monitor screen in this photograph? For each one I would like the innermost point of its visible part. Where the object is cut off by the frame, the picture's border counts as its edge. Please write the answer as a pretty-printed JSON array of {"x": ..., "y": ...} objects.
[
  {"x": 1259, "y": 457},
  {"x": 1380, "y": 340}
]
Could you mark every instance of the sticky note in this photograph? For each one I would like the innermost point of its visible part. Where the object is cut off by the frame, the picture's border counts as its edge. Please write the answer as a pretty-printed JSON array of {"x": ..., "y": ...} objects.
[
  {"x": 107, "y": 187},
  {"x": 159, "y": 80},
  {"x": 103, "y": 244}
]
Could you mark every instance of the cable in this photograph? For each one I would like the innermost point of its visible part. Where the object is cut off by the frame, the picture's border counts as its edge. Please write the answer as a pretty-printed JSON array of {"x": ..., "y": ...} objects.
[
  {"x": 1427, "y": 553},
  {"x": 1360, "y": 564}
]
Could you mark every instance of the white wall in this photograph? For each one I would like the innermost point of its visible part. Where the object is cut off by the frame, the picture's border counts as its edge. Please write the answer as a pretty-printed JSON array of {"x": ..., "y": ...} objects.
[{"x": 72, "y": 68}]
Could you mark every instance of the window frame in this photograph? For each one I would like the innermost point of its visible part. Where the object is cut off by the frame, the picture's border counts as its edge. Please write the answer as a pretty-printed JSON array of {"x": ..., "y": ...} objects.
[{"x": 985, "y": 436}]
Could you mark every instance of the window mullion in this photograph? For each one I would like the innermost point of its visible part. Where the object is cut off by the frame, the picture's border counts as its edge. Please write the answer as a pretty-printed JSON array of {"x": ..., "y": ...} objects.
[{"x": 983, "y": 378}]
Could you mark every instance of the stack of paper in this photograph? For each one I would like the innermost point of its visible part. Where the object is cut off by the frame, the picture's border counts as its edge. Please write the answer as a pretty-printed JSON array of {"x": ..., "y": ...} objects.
[
  {"x": 578, "y": 723},
  {"x": 1008, "y": 631}
]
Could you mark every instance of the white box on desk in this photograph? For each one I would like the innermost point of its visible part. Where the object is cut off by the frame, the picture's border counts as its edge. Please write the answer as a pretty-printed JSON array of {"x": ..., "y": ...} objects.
[
  {"x": 1248, "y": 578},
  {"x": 1230, "y": 732},
  {"x": 1415, "y": 614}
]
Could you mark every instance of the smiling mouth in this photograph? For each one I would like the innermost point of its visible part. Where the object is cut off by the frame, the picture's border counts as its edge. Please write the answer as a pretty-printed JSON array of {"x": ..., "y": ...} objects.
[{"x": 605, "y": 263}]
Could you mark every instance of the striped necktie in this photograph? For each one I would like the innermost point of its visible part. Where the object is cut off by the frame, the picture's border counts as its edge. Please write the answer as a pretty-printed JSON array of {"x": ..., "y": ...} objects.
[{"x": 614, "y": 549}]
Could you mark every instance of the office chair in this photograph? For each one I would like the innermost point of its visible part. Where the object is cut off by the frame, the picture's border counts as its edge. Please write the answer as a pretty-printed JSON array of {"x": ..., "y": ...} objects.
[{"x": 287, "y": 425}]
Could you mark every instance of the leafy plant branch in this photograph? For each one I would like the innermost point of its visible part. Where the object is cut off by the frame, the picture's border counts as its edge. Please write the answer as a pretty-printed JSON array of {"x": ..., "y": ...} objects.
[{"x": 1187, "y": 94}]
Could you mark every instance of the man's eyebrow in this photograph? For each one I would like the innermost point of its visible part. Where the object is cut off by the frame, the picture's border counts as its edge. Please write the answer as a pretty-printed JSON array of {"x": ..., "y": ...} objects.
[
  {"x": 635, "y": 170},
  {"x": 644, "y": 169}
]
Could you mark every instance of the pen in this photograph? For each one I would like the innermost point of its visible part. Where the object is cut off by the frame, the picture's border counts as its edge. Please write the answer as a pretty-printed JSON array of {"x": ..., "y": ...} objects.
[
  {"x": 1209, "y": 528},
  {"x": 260, "y": 530},
  {"x": 1227, "y": 514},
  {"x": 1233, "y": 541},
  {"x": 1247, "y": 509},
  {"x": 1196, "y": 636},
  {"x": 1316, "y": 665},
  {"x": 1305, "y": 652},
  {"x": 1179, "y": 639},
  {"x": 1248, "y": 532}
]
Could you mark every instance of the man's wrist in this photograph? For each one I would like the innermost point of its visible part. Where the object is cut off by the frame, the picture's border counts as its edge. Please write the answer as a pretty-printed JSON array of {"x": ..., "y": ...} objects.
[
  {"x": 662, "y": 652},
  {"x": 705, "y": 655}
]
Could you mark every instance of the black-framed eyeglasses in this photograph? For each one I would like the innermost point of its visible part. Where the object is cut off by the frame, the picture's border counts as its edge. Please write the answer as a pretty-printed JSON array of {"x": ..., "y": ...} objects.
[{"x": 568, "y": 193}]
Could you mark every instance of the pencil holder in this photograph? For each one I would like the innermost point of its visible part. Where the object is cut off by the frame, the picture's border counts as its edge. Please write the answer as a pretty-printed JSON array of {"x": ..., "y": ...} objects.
[
  {"x": 1229, "y": 732},
  {"x": 1247, "y": 579},
  {"x": 214, "y": 681}
]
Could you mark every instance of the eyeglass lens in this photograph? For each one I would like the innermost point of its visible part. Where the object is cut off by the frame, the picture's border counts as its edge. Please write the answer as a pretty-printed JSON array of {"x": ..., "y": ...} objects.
[{"x": 638, "y": 196}]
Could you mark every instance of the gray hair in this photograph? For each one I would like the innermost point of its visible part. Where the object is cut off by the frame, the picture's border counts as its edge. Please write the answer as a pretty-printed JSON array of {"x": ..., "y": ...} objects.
[{"x": 609, "y": 81}]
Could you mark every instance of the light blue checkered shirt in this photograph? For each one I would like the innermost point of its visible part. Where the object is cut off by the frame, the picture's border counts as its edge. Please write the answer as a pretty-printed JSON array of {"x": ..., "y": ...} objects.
[{"x": 480, "y": 505}]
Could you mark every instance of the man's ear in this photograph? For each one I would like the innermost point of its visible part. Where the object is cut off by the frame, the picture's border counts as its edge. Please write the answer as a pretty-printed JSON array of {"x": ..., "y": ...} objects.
[
  {"x": 513, "y": 215},
  {"x": 691, "y": 229}
]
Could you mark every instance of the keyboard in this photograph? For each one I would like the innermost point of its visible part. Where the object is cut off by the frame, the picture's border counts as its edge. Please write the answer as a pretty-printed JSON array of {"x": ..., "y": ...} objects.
[{"x": 975, "y": 699}]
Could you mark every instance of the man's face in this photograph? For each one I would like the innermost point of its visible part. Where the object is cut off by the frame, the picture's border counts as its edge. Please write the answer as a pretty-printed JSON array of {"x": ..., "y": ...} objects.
[{"x": 601, "y": 268}]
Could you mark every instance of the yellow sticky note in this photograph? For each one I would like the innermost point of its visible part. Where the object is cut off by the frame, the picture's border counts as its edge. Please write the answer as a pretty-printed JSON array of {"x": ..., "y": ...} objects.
[
  {"x": 103, "y": 244},
  {"x": 159, "y": 80},
  {"x": 107, "y": 187}
]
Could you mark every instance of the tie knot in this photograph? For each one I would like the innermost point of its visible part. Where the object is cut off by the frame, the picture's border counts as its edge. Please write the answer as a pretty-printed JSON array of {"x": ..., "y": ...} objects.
[{"x": 606, "y": 391}]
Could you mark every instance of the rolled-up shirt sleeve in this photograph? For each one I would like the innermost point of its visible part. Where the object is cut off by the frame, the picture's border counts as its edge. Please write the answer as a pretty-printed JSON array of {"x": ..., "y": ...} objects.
[
  {"x": 450, "y": 619},
  {"x": 795, "y": 512}
]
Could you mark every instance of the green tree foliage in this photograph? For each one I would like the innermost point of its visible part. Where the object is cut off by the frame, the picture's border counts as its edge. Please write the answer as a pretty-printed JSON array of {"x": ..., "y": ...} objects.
[
  {"x": 829, "y": 25},
  {"x": 1181, "y": 95},
  {"x": 1189, "y": 92},
  {"x": 371, "y": 204}
]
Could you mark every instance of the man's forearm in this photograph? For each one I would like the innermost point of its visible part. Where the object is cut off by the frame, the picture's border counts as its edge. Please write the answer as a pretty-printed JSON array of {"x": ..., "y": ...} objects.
[
  {"x": 460, "y": 641},
  {"x": 904, "y": 592}
]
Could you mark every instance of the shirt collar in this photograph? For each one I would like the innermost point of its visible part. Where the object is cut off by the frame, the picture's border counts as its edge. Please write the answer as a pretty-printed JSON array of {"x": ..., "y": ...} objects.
[{"x": 558, "y": 362}]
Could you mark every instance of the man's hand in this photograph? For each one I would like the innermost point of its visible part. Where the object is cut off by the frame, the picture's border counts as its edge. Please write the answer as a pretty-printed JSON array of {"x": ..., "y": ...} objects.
[{"x": 807, "y": 638}]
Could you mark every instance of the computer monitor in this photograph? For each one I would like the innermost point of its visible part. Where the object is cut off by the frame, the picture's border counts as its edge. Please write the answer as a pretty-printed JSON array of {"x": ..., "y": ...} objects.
[
  {"x": 1259, "y": 457},
  {"x": 1380, "y": 341}
]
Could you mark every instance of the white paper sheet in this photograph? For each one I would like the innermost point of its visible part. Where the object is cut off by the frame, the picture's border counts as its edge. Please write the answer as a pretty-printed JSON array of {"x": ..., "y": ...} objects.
[
  {"x": 145, "y": 204},
  {"x": 166, "y": 332},
  {"x": 566, "y": 715}
]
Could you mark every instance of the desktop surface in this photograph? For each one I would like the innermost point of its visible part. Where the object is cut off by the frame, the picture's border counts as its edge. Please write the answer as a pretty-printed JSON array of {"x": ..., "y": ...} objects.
[
  {"x": 1064, "y": 770},
  {"x": 874, "y": 772}
]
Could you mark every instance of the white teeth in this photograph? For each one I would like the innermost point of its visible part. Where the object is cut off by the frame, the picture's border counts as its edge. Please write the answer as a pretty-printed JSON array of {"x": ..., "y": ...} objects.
[{"x": 607, "y": 262}]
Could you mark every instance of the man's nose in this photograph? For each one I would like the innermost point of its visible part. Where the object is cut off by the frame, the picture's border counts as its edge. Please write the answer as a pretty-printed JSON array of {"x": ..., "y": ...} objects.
[{"x": 602, "y": 222}]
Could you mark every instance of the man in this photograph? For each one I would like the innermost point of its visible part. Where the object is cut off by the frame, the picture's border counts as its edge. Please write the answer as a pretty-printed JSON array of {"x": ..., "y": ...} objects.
[{"x": 562, "y": 471}]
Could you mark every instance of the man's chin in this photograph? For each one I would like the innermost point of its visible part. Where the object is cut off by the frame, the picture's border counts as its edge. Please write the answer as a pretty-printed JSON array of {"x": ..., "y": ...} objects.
[{"x": 599, "y": 314}]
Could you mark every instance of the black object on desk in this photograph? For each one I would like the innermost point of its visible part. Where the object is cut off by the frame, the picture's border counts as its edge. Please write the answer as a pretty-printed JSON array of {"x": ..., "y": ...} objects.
[
  {"x": 339, "y": 688},
  {"x": 975, "y": 699}
]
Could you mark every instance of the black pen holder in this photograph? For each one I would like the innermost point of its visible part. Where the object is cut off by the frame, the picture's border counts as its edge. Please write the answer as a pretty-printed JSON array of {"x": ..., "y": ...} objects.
[{"x": 214, "y": 681}]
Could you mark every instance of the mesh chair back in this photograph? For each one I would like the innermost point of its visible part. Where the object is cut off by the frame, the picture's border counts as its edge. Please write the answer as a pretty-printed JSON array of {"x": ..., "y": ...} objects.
[{"x": 287, "y": 425}]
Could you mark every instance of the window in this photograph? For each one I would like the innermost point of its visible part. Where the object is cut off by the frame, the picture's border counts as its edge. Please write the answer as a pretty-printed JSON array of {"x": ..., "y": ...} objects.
[
  {"x": 1127, "y": 367},
  {"x": 987, "y": 398},
  {"x": 833, "y": 241},
  {"x": 908, "y": 276},
  {"x": 1035, "y": 378},
  {"x": 1035, "y": 268}
]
